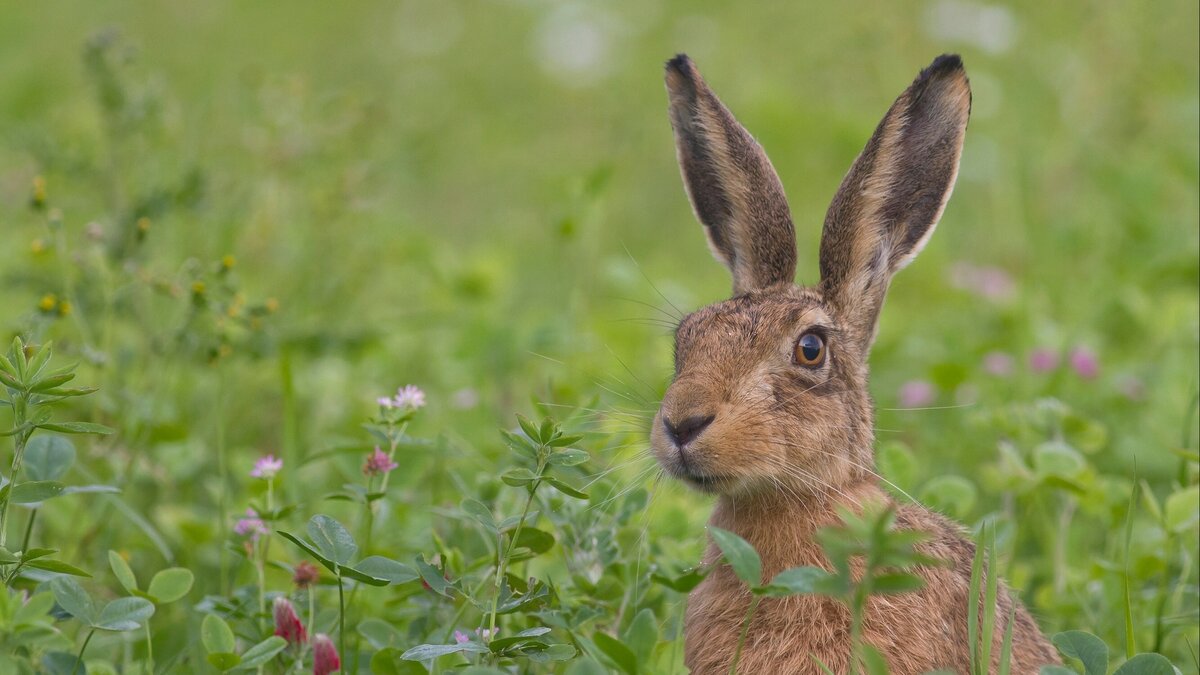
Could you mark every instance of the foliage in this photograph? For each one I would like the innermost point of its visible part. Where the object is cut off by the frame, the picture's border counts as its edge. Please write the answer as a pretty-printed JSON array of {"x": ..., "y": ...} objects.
[{"x": 243, "y": 231}]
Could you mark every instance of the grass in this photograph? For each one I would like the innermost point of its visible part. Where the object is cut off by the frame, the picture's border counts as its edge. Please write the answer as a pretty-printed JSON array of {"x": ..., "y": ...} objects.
[{"x": 262, "y": 217}]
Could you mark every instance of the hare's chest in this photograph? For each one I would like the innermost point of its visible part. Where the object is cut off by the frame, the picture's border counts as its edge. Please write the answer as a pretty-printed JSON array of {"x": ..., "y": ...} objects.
[{"x": 784, "y": 636}]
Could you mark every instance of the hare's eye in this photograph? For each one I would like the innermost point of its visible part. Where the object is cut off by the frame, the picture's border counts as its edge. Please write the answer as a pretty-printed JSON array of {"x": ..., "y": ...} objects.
[{"x": 810, "y": 350}]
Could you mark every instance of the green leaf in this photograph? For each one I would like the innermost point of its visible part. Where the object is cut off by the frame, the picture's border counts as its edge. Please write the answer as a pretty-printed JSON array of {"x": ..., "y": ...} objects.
[
  {"x": 537, "y": 541},
  {"x": 682, "y": 583},
  {"x": 897, "y": 463},
  {"x": 558, "y": 652},
  {"x": 1006, "y": 643},
  {"x": 954, "y": 496},
  {"x": 797, "y": 581},
  {"x": 35, "y": 491},
  {"x": 90, "y": 489},
  {"x": 618, "y": 652},
  {"x": 171, "y": 584},
  {"x": 527, "y": 447},
  {"x": 387, "y": 661},
  {"x": 874, "y": 661},
  {"x": 1057, "y": 459},
  {"x": 7, "y": 557},
  {"x": 312, "y": 552},
  {"x": 69, "y": 391},
  {"x": 899, "y": 582},
  {"x": 125, "y": 614},
  {"x": 434, "y": 578},
  {"x": 380, "y": 634},
  {"x": 1055, "y": 670},
  {"x": 74, "y": 600},
  {"x": 35, "y": 553},
  {"x": 11, "y": 381},
  {"x": 1086, "y": 647},
  {"x": 1146, "y": 664},
  {"x": 122, "y": 571},
  {"x": 565, "y": 488},
  {"x": 76, "y": 428},
  {"x": 391, "y": 571},
  {"x": 568, "y": 457},
  {"x": 6, "y": 366},
  {"x": 40, "y": 358},
  {"x": 261, "y": 652},
  {"x": 641, "y": 635},
  {"x": 50, "y": 382},
  {"x": 58, "y": 567},
  {"x": 518, "y": 477},
  {"x": 61, "y": 663},
  {"x": 1180, "y": 512},
  {"x": 224, "y": 660},
  {"x": 478, "y": 511},
  {"x": 529, "y": 428},
  {"x": 332, "y": 539},
  {"x": 349, "y": 572},
  {"x": 740, "y": 555},
  {"x": 500, "y": 644},
  {"x": 564, "y": 441},
  {"x": 47, "y": 457},
  {"x": 427, "y": 652},
  {"x": 216, "y": 635}
]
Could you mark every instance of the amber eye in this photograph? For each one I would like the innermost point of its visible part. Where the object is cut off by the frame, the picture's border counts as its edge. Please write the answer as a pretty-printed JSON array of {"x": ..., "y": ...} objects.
[{"x": 810, "y": 350}]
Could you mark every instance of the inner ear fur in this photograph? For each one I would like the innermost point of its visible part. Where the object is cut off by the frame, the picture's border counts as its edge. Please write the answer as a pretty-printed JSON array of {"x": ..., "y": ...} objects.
[
  {"x": 891, "y": 199},
  {"x": 733, "y": 188}
]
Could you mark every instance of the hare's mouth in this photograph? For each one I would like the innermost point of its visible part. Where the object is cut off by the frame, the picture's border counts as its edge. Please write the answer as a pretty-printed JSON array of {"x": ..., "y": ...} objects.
[{"x": 706, "y": 483}]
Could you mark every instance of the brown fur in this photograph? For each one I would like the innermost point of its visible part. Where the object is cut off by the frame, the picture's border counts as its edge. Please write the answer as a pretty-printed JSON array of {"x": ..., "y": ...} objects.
[{"x": 788, "y": 444}]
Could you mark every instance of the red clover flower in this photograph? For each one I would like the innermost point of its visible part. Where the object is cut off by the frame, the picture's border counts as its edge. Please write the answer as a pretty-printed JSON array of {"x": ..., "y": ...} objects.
[
  {"x": 378, "y": 463},
  {"x": 287, "y": 622},
  {"x": 325, "y": 656},
  {"x": 266, "y": 467}
]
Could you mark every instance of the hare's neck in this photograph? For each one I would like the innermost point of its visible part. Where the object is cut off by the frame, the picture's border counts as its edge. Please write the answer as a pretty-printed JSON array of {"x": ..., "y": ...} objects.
[{"x": 783, "y": 528}]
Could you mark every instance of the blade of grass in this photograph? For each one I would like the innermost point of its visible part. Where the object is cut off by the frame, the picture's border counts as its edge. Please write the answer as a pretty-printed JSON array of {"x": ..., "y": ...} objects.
[
  {"x": 973, "y": 604},
  {"x": 1127, "y": 597},
  {"x": 1006, "y": 646},
  {"x": 989, "y": 608}
]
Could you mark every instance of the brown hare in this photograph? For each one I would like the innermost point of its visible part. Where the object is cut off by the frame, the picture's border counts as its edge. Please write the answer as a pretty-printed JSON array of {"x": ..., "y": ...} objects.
[{"x": 769, "y": 407}]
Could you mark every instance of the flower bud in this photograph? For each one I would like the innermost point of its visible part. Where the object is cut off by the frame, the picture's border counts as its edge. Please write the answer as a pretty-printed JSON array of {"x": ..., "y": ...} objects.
[
  {"x": 287, "y": 623},
  {"x": 325, "y": 656}
]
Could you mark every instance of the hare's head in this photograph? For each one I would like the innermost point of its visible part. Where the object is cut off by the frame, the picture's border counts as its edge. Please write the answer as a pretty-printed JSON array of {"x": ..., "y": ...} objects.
[{"x": 770, "y": 387}]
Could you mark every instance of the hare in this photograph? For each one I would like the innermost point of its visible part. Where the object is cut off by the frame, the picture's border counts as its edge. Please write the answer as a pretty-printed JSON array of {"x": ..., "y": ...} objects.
[{"x": 769, "y": 409}]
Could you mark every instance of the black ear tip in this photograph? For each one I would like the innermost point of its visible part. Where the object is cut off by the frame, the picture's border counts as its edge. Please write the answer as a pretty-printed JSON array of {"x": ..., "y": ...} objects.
[
  {"x": 943, "y": 65},
  {"x": 681, "y": 64}
]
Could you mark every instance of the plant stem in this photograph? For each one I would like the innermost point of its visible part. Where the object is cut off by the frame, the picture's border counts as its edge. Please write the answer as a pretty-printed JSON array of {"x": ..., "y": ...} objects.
[
  {"x": 393, "y": 441},
  {"x": 262, "y": 549},
  {"x": 28, "y": 529},
  {"x": 19, "y": 439},
  {"x": 856, "y": 619},
  {"x": 222, "y": 505},
  {"x": 737, "y": 653},
  {"x": 341, "y": 617},
  {"x": 79, "y": 658},
  {"x": 262, "y": 582},
  {"x": 502, "y": 564},
  {"x": 149, "y": 650}
]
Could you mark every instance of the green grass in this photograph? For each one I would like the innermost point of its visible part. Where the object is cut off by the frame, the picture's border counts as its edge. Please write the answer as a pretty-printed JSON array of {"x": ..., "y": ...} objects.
[{"x": 429, "y": 194}]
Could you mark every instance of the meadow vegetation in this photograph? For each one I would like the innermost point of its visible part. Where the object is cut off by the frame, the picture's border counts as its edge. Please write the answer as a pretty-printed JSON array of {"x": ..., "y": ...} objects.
[{"x": 331, "y": 336}]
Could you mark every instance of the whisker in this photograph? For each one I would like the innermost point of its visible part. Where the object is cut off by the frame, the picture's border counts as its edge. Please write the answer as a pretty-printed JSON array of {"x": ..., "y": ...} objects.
[{"x": 660, "y": 293}]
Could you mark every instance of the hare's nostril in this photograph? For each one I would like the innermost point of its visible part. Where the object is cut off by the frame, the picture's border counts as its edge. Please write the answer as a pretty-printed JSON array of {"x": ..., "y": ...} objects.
[{"x": 688, "y": 429}]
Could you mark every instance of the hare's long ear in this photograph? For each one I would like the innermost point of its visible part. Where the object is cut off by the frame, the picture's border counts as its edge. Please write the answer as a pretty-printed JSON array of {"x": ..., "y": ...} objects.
[
  {"x": 891, "y": 200},
  {"x": 731, "y": 183}
]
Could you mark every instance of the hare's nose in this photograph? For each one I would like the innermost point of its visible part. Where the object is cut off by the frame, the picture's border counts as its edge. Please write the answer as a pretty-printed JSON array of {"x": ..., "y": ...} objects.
[{"x": 687, "y": 429}]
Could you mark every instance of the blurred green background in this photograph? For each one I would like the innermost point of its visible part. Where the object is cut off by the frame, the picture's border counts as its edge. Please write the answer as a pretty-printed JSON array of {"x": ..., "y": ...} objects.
[{"x": 481, "y": 198}]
